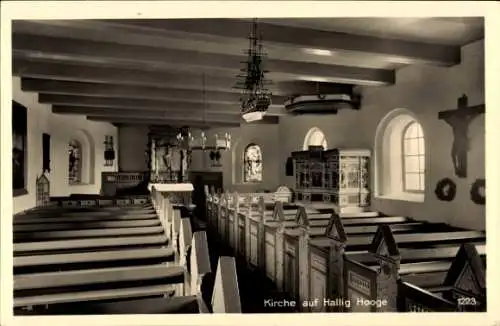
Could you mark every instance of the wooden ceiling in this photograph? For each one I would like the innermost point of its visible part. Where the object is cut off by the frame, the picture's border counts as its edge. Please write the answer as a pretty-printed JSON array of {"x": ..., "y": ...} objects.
[{"x": 183, "y": 71}]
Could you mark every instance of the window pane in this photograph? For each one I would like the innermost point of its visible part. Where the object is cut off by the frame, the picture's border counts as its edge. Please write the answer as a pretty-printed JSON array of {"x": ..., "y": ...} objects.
[
  {"x": 411, "y": 147},
  {"x": 421, "y": 163},
  {"x": 252, "y": 164},
  {"x": 419, "y": 131},
  {"x": 421, "y": 146},
  {"x": 422, "y": 181},
  {"x": 412, "y": 182},
  {"x": 411, "y": 131},
  {"x": 412, "y": 164}
]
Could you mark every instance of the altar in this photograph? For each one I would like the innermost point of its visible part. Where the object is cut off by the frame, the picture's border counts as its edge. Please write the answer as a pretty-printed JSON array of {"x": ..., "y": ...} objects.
[
  {"x": 335, "y": 178},
  {"x": 178, "y": 193}
]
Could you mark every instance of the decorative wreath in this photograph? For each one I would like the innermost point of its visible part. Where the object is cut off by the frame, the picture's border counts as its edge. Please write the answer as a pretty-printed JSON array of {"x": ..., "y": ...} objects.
[
  {"x": 446, "y": 189},
  {"x": 477, "y": 192}
]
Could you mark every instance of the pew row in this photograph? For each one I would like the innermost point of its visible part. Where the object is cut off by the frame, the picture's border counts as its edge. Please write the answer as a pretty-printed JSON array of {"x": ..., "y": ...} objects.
[
  {"x": 309, "y": 250},
  {"x": 450, "y": 279}
]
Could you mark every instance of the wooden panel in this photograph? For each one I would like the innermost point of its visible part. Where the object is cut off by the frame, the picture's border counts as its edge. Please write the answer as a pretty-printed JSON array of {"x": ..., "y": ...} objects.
[
  {"x": 254, "y": 249},
  {"x": 317, "y": 287},
  {"x": 270, "y": 238},
  {"x": 94, "y": 295},
  {"x": 94, "y": 276},
  {"x": 88, "y": 257},
  {"x": 318, "y": 262},
  {"x": 241, "y": 239},
  {"x": 358, "y": 282},
  {"x": 88, "y": 243},
  {"x": 290, "y": 275},
  {"x": 354, "y": 296},
  {"x": 270, "y": 260}
]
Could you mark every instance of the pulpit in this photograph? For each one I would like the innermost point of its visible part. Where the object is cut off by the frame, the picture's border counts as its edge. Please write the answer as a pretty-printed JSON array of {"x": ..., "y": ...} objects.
[{"x": 337, "y": 176}]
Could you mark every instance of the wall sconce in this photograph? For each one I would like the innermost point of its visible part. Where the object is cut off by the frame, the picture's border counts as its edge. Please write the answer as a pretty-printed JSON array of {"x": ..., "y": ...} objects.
[
  {"x": 109, "y": 152},
  {"x": 215, "y": 157}
]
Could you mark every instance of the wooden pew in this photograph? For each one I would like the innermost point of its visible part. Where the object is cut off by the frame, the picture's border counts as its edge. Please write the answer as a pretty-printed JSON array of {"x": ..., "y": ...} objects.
[
  {"x": 383, "y": 276},
  {"x": 63, "y": 233},
  {"x": 225, "y": 290},
  {"x": 167, "y": 276},
  {"x": 308, "y": 251}
]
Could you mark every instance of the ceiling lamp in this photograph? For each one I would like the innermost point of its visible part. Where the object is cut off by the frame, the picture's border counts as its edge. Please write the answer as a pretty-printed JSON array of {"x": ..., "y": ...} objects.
[
  {"x": 189, "y": 142},
  {"x": 255, "y": 97}
]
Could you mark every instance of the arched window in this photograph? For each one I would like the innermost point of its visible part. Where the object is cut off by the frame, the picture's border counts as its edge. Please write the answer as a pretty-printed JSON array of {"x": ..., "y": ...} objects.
[
  {"x": 252, "y": 164},
  {"x": 413, "y": 158},
  {"x": 400, "y": 157},
  {"x": 314, "y": 137},
  {"x": 75, "y": 162}
]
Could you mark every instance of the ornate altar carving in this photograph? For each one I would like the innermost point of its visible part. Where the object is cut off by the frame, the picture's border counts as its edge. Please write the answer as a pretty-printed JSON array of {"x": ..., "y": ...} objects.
[{"x": 338, "y": 176}]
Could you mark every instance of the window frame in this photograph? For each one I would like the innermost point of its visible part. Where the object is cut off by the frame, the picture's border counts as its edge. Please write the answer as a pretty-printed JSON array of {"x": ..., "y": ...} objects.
[
  {"x": 310, "y": 135},
  {"x": 388, "y": 164},
  {"x": 421, "y": 170}
]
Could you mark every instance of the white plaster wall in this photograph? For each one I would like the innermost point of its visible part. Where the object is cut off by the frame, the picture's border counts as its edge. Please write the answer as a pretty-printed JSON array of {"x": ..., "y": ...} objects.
[
  {"x": 133, "y": 143},
  {"x": 425, "y": 91},
  {"x": 61, "y": 129}
]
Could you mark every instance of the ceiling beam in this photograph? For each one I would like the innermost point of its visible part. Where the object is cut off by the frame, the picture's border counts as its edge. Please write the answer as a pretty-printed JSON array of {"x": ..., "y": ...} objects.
[
  {"x": 165, "y": 122},
  {"x": 162, "y": 106},
  {"x": 67, "y": 49},
  {"x": 36, "y": 68},
  {"x": 128, "y": 91},
  {"x": 408, "y": 52},
  {"x": 230, "y": 34},
  {"x": 141, "y": 114},
  {"x": 174, "y": 122},
  {"x": 98, "y": 112}
]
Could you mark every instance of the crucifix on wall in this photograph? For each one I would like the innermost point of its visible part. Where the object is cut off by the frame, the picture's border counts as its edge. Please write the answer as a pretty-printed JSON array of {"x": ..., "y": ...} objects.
[{"x": 459, "y": 121}]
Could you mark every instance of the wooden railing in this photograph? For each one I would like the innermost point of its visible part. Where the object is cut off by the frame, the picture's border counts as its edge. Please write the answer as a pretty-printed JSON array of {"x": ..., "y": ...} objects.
[{"x": 193, "y": 253}]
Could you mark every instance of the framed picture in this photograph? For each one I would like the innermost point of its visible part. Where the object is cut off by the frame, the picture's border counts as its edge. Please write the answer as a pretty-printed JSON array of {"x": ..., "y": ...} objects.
[{"x": 19, "y": 146}]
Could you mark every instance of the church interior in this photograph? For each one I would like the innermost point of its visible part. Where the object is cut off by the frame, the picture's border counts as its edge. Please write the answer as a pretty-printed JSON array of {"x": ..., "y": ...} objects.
[{"x": 187, "y": 166}]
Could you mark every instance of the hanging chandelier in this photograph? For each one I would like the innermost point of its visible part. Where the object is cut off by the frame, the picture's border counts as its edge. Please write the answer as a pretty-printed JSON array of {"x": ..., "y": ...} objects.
[
  {"x": 187, "y": 141},
  {"x": 255, "y": 97}
]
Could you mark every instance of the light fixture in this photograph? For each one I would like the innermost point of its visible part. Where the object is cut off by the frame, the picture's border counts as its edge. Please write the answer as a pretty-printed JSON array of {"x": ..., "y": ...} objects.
[
  {"x": 322, "y": 52},
  {"x": 255, "y": 97},
  {"x": 253, "y": 116},
  {"x": 109, "y": 151},
  {"x": 187, "y": 141}
]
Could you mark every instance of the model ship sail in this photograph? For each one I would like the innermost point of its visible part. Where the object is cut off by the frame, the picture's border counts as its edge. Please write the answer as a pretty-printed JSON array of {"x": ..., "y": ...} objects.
[{"x": 255, "y": 98}]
